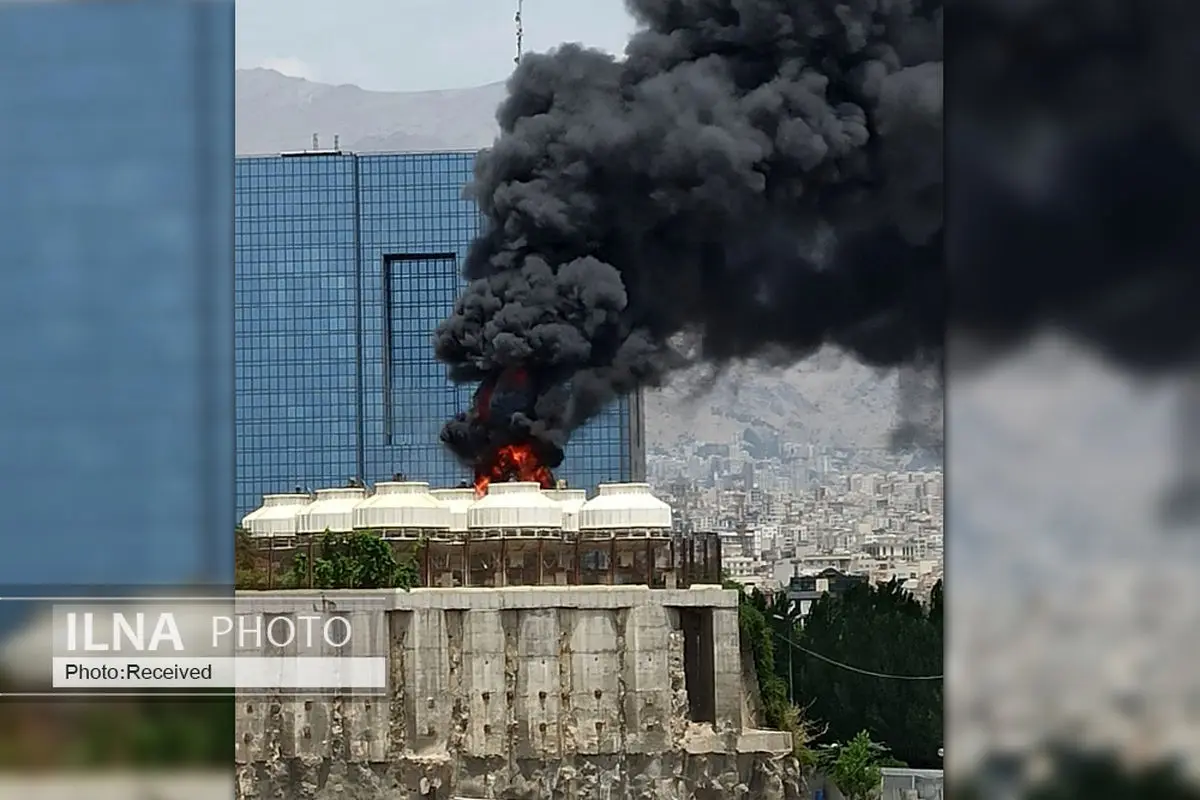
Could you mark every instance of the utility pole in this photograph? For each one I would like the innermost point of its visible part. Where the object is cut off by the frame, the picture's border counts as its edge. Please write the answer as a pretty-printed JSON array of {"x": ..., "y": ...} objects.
[
  {"x": 791, "y": 657},
  {"x": 520, "y": 30}
]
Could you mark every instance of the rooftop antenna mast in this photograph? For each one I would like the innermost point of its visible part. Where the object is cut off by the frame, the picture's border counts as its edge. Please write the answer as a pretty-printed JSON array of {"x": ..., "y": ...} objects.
[{"x": 520, "y": 30}]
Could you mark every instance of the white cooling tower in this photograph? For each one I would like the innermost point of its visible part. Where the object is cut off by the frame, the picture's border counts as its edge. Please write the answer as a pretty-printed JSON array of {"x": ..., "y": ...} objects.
[
  {"x": 515, "y": 506},
  {"x": 277, "y": 516},
  {"x": 572, "y": 501},
  {"x": 402, "y": 508},
  {"x": 625, "y": 507},
  {"x": 458, "y": 501},
  {"x": 332, "y": 510}
]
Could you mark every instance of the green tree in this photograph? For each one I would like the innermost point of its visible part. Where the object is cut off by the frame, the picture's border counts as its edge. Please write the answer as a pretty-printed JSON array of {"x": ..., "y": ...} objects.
[
  {"x": 758, "y": 635},
  {"x": 358, "y": 560},
  {"x": 248, "y": 567},
  {"x": 855, "y": 770},
  {"x": 780, "y": 622},
  {"x": 881, "y": 629}
]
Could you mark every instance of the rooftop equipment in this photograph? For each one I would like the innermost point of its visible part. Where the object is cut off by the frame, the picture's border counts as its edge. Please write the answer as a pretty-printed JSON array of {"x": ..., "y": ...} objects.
[
  {"x": 332, "y": 510},
  {"x": 513, "y": 507},
  {"x": 277, "y": 516},
  {"x": 571, "y": 500},
  {"x": 626, "y": 507},
  {"x": 402, "y": 509},
  {"x": 458, "y": 501}
]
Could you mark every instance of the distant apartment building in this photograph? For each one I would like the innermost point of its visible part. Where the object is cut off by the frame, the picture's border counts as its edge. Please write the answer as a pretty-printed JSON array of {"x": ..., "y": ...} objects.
[
  {"x": 804, "y": 590},
  {"x": 346, "y": 263}
]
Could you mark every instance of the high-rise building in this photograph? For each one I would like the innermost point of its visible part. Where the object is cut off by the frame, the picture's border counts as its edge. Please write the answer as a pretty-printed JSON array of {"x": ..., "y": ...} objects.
[
  {"x": 345, "y": 265},
  {"x": 116, "y": 317}
]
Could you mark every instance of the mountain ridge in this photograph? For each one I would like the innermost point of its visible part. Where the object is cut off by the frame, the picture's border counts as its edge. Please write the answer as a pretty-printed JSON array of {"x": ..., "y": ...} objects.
[{"x": 276, "y": 112}]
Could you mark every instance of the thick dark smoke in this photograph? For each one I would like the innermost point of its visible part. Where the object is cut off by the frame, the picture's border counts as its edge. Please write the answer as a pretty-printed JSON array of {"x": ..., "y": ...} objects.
[
  {"x": 765, "y": 176},
  {"x": 1074, "y": 159}
]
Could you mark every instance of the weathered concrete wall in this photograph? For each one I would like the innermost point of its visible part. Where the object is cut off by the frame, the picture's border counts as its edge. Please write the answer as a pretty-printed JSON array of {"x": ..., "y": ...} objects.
[
  {"x": 540, "y": 693},
  {"x": 116, "y": 785}
]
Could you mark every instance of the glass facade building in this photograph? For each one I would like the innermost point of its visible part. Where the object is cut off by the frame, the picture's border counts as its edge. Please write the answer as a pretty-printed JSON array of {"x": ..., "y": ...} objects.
[
  {"x": 116, "y": 316},
  {"x": 345, "y": 265}
]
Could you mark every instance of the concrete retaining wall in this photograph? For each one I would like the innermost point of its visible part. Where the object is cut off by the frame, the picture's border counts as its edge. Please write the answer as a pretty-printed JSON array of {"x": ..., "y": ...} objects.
[
  {"x": 128, "y": 785},
  {"x": 547, "y": 692}
]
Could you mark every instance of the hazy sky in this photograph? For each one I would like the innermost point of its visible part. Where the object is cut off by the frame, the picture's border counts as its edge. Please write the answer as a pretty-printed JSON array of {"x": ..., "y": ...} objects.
[{"x": 405, "y": 45}]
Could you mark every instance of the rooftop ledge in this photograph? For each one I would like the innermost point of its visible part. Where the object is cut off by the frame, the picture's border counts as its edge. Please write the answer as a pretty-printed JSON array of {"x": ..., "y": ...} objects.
[{"x": 486, "y": 598}]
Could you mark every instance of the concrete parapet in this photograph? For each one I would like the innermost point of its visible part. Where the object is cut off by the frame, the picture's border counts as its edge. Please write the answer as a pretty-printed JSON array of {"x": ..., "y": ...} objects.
[
  {"x": 567, "y": 692},
  {"x": 478, "y": 599}
]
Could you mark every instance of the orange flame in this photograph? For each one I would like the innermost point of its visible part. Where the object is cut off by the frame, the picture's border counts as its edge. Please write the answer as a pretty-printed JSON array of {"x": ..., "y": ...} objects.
[{"x": 513, "y": 462}]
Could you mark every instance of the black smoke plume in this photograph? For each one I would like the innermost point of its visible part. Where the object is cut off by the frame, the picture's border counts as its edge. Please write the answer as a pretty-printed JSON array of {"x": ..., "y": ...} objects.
[
  {"x": 1074, "y": 158},
  {"x": 766, "y": 177}
]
